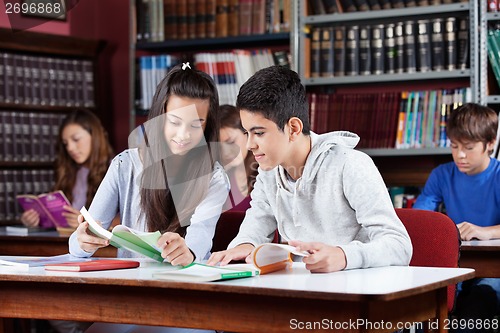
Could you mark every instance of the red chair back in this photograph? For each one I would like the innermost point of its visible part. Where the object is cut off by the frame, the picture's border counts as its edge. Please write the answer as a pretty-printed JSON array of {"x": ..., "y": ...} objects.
[
  {"x": 227, "y": 229},
  {"x": 435, "y": 239}
]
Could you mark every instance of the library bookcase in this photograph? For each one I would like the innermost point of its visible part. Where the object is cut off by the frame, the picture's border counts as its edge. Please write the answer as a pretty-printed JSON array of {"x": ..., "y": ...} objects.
[{"x": 43, "y": 78}]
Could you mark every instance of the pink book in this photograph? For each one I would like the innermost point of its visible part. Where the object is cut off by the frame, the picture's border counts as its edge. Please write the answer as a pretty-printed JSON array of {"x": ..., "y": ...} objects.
[{"x": 48, "y": 205}]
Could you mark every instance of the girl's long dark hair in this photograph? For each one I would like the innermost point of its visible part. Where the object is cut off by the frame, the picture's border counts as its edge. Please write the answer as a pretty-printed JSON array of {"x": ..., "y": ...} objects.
[
  {"x": 100, "y": 155},
  {"x": 169, "y": 196}
]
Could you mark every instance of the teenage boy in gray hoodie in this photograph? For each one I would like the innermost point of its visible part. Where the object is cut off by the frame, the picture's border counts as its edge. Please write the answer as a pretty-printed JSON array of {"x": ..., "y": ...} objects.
[{"x": 323, "y": 196}]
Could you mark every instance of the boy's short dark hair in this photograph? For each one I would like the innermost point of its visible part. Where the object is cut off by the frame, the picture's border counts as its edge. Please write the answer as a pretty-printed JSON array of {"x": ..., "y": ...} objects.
[
  {"x": 277, "y": 94},
  {"x": 472, "y": 122}
]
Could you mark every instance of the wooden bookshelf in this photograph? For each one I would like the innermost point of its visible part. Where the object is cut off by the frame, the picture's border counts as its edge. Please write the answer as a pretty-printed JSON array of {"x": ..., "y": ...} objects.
[{"x": 46, "y": 77}]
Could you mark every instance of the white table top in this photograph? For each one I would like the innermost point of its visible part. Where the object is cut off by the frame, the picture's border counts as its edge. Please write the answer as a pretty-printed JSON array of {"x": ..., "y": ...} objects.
[
  {"x": 371, "y": 281},
  {"x": 485, "y": 243}
]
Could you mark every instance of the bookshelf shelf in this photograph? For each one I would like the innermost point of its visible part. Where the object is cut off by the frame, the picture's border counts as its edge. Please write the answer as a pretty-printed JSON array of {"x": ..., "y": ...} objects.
[
  {"x": 493, "y": 16},
  {"x": 493, "y": 99},
  {"x": 56, "y": 45},
  {"x": 358, "y": 79},
  {"x": 407, "y": 152},
  {"x": 195, "y": 45},
  {"x": 382, "y": 15}
]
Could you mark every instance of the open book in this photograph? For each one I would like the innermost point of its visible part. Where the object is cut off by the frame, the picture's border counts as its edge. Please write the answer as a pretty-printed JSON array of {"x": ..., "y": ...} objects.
[
  {"x": 124, "y": 237},
  {"x": 271, "y": 257},
  {"x": 48, "y": 205},
  {"x": 203, "y": 273}
]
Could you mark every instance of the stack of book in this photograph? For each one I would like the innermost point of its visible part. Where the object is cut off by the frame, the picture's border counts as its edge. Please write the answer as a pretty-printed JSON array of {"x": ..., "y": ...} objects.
[
  {"x": 402, "y": 120},
  {"x": 391, "y": 48},
  {"x": 321, "y": 7},
  {"x": 159, "y": 20},
  {"x": 40, "y": 80}
]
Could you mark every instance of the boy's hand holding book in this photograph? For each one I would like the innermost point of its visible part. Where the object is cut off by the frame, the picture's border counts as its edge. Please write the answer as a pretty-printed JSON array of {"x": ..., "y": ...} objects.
[
  {"x": 269, "y": 257},
  {"x": 323, "y": 258}
]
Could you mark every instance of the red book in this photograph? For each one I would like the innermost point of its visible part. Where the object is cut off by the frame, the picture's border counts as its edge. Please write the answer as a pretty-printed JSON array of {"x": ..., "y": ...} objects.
[{"x": 94, "y": 265}]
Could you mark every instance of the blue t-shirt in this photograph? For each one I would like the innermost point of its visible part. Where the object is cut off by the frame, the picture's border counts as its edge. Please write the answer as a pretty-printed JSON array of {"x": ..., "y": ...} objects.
[{"x": 474, "y": 199}]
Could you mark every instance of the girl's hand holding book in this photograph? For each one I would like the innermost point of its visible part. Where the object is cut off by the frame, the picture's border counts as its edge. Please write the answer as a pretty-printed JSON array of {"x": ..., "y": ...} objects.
[
  {"x": 87, "y": 240},
  {"x": 30, "y": 218},
  {"x": 71, "y": 215},
  {"x": 174, "y": 249}
]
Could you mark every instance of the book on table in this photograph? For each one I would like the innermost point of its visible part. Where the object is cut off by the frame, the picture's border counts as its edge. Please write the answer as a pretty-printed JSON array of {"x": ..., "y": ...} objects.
[
  {"x": 196, "y": 272},
  {"x": 49, "y": 207},
  {"x": 93, "y": 265},
  {"x": 271, "y": 257},
  {"x": 120, "y": 236},
  {"x": 25, "y": 262},
  {"x": 23, "y": 230}
]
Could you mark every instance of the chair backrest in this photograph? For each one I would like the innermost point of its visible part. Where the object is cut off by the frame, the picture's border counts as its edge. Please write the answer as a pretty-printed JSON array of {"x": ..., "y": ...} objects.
[
  {"x": 227, "y": 229},
  {"x": 435, "y": 239}
]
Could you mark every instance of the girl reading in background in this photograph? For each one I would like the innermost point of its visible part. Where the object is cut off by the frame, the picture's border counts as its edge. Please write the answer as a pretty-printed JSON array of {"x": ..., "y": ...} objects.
[
  {"x": 238, "y": 162},
  {"x": 83, "y": 157}
]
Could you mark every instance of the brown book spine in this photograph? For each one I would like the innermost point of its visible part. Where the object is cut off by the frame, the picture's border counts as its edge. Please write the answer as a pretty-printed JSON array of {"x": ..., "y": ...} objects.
[
  {"x": 170, "y": 19},
  {"x": 246, "y": 17},
  {"x": 211, "y": 9},
  {"x": 233, "y": 18},
  {"x": 221, "y": 24},
  {"x": 182, "y": 26},
  {"x": 258, "y": 17},
  {"x": 191, "y": 18},
  {"x": 201, "y": 19}
]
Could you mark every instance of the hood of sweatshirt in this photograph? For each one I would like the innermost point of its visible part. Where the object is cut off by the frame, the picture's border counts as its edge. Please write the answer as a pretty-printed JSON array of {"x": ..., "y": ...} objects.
[{"x": 321, "y": 145}]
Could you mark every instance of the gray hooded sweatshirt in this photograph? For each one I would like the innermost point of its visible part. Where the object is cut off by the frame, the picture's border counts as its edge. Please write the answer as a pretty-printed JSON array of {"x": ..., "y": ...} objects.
[{"x": 340, "y": 200}]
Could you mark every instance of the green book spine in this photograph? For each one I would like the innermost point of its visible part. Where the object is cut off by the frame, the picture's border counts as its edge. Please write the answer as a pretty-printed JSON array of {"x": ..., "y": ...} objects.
[{"x": 493, "y": 55}]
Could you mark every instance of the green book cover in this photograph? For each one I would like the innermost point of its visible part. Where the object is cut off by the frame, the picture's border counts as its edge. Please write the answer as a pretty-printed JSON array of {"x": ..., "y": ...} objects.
[{"x": 124, "y": 237}]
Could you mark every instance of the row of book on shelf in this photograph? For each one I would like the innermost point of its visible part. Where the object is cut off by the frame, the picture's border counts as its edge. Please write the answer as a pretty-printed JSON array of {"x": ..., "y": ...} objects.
[
  {"x": 402, "y": 47},
  {"x": 402, "y": 120},
  {"x": 41, "y": 80},
  {"x": 28, "y": 136},
  {"x": 228, "y": 69},
  {"x": 18, "y": 182},
  {"x": 159, "y": 20},
  {"x": 321, "y": 7}
]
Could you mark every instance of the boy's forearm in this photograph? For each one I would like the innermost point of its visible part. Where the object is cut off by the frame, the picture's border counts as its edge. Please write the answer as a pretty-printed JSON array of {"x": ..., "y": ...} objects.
[{"x": 495, "y": 231}]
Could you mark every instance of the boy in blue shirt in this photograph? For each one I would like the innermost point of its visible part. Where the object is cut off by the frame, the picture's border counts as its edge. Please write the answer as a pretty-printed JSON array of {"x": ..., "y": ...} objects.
[
  {"x": 469, "y": 188},
  {"x": 322, "y": 195}
]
